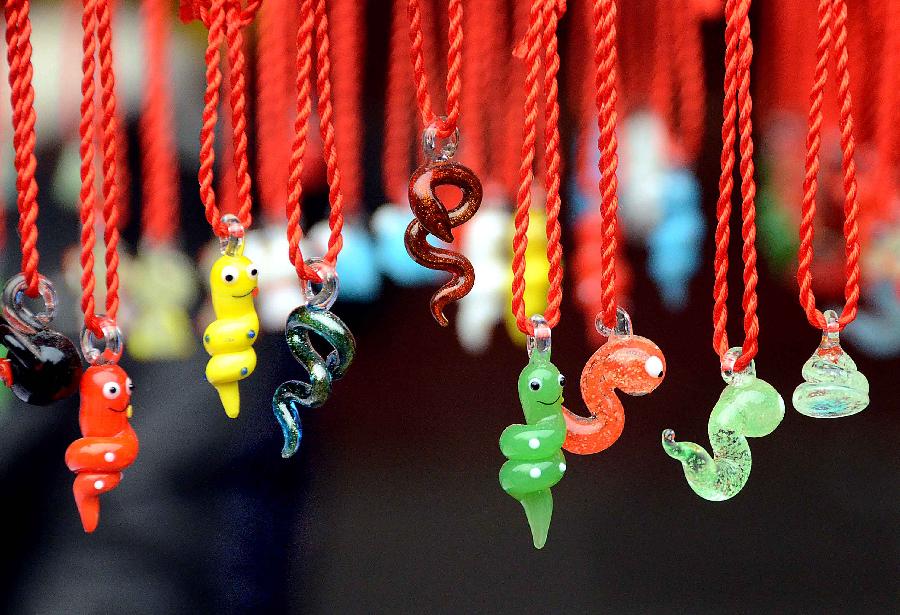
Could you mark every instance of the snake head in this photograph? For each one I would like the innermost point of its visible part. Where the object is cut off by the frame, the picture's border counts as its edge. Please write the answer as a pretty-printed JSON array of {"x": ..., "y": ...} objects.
[
  {"x": 105, "y": 400},
  {"x": 233, "y": 283},
  {"x": 540, "y": 388},
  {"x": 633, "y": 364}
]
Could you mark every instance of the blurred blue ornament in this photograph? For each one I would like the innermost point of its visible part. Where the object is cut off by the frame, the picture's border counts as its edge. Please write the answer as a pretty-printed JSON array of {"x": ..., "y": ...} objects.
[
  {"x": 876, "y": 332},
  {"x": 674, "y": 244},
  {"x": 357, "y": 269},
  {"x": 389, "y": 224}
]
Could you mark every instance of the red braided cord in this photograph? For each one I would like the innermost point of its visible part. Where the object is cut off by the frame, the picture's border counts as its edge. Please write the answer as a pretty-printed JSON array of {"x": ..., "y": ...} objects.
[
  {"x": 319, "y": 25},
  {"x": 110, "y": 142},
  {"x": 225, "y": 21},
  {"x": 238, "y": 97},
  {"x": 526, "y": 169},
  {"x": 398, "y": 98},
  {"x": 273, "y": 104},
  {"x": 832, "y": 33},
  {"x": 326, "y": 129},
  {"x": 605, "y": 58},
  {"x": 445, "y": 128},
  {"x": 215, "y": 37},
  {"x": 348, "y": 31},
  {"x": 298, "y": 148},
  {"x": 553, "y": 10},
  {"x": 86, "y": 150},
  {"x": 18, "y": 53},
  {"x": 158, "y": 160},
  {"x": 737, "y": 106},
  {"x": 543, "y": 20}
]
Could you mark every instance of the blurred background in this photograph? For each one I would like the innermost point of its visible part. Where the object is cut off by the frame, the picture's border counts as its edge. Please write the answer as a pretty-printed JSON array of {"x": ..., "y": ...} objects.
[{"x": 392, "y": 504}]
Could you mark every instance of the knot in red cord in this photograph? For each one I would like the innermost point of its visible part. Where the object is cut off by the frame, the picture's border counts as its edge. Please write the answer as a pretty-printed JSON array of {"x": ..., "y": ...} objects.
[{"x": 190, "y": 10}]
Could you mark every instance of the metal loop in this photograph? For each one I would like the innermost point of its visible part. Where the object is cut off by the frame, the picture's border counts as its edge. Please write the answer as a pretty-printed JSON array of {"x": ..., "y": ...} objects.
[
  {"x": 18, "y": 314},
  {"x": 233, "y": 243},
  {"x": 623, "y": 324},
  {"x": 732, "y": 377},
  {"x": 325, "y": 297},
  {"x": 430, "y": 142},
  {"x": 107, "y": 350},
  {"x": 541, "y": 341}
]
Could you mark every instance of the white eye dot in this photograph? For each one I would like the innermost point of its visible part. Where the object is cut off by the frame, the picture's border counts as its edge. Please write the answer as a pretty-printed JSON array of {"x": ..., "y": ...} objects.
[
  {"x": 230, "y": 274},
  {"x": 129, "y": 384},
  {"x": 654, "y": 367},
  {"x": 111, "y": 390},
  {"x": 535, "y": 384},
  {"x": 252, "y": 271}
]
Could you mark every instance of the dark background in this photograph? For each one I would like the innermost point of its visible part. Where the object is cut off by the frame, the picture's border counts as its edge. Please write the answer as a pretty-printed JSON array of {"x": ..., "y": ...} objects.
[{"x": 392, "y": 504}]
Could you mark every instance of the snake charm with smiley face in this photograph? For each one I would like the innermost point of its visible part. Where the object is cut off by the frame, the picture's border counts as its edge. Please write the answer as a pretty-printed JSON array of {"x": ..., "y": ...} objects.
[
  {"x": 536, "y": 462},
  {"x": 109, "y": 444},
  {"x": 229, "y": 339}
]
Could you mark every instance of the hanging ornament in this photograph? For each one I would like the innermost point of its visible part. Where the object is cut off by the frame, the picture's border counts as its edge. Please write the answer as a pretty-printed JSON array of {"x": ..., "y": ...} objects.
[
  {"x": 162, "y": 278},
  {"x": 313, "y": 316},
  {"x": 749, "y": 406},
  {"x": 439, "y": 143},
  {"x": 833, "y": 386},
  {"x": 233, "y": 279},
  {"x": 631, "y": 363},
  {"x": 536, "y": 462},
  {"x": 109, "y": 444},
  {"x": 41, "y": 366}
]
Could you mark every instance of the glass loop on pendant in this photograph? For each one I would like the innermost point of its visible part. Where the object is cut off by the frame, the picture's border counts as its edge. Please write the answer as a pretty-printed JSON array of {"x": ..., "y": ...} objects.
[
  {"x": 327, "y": 294},
  {"x": 541, "y": 341},
  {"x": 18, "y": 314},
  {"x": 623, "y": 324},
  {"x": 435, "y": 148},
  {"x": 732, "y": 377},
  {"x": 233, "y": 243},
  {"x": 106, "y": 350}
]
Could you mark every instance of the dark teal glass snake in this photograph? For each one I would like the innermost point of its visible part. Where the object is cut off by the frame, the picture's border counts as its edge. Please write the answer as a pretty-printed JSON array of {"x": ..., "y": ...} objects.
[{"x": 294, "y": 394}]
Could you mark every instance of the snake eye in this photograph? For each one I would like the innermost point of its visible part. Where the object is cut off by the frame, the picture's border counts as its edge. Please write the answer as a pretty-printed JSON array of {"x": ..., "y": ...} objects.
[
  {"x": 129, "y": 385},
  {"x": 252, "y": 271},
  {"x": 230, "y": 274},
  {"x": 535, "y": 384},
  {"x": 111, "y": 390},
  {"x": 562, "y": 380},
  {"x": 654, "y": 367}
]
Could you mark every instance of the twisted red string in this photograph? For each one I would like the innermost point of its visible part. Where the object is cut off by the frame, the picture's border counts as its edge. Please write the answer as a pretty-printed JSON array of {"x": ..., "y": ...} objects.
[
  {"x": 737, "y": 106},
  {"x": 605, "y": 59},
  {"x": 158, "y": 158},
  {"x": 225, "y": 21},
  {"x": 316, "y": 24},
  {"x": 97, "y": 39},
  {"x": 18, "y": 55},
  {"x": 273, "y": 104},
  {"x": 832, "y": 35},
  {"x": 445, "y": 127},
  {"x": 398, "y": 98},
  {"x": 543, "y": 18}
]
